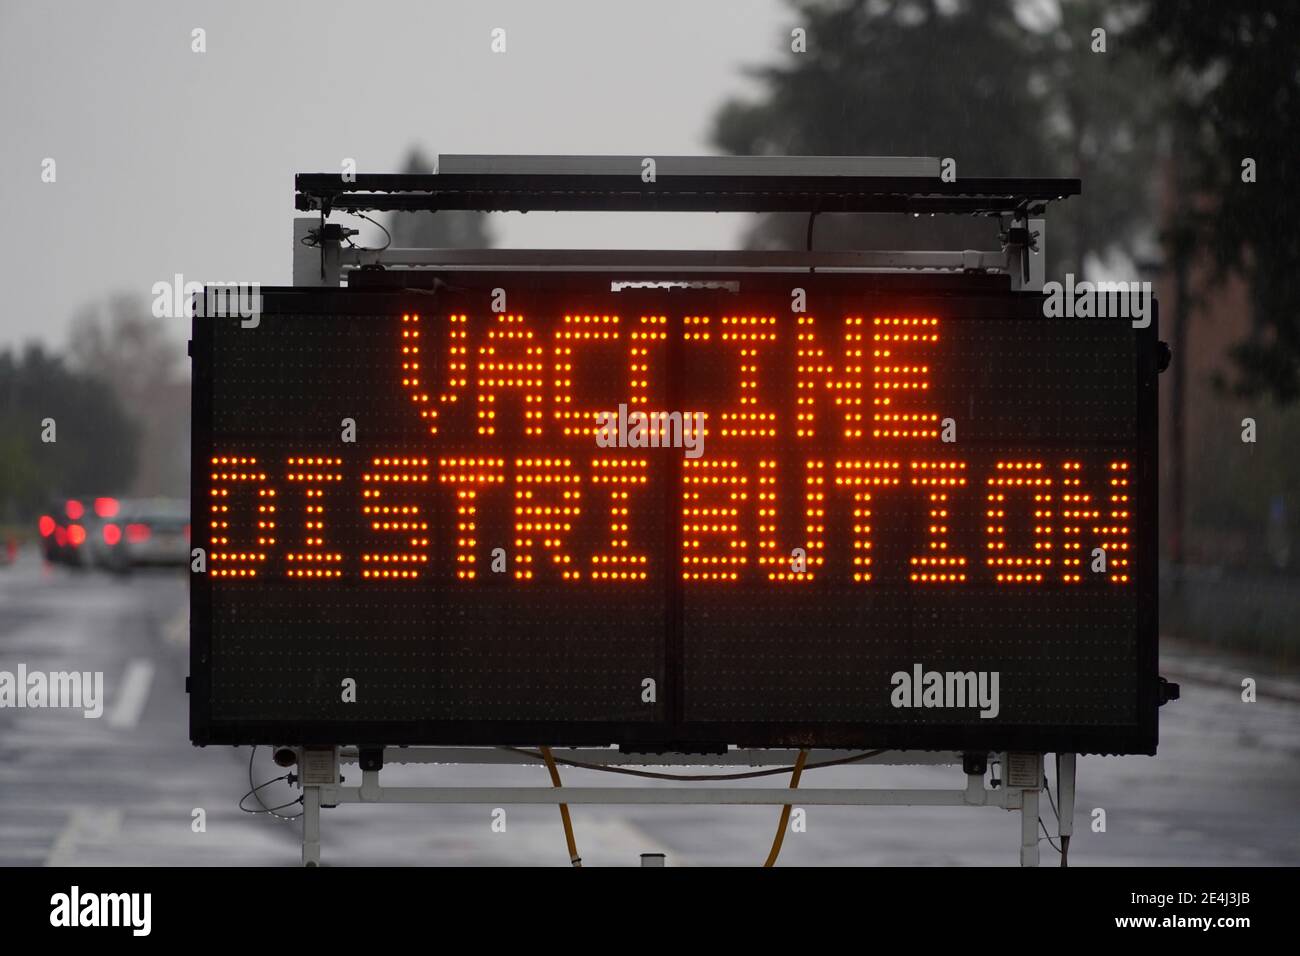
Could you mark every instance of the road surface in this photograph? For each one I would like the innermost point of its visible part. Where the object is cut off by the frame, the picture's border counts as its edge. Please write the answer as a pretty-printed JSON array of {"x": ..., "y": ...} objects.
[{"x": 123, "y": 789}]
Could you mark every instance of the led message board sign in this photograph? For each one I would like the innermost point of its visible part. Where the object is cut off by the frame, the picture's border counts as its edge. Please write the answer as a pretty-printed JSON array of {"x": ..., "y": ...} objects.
[{"x": 524, "y": 508}]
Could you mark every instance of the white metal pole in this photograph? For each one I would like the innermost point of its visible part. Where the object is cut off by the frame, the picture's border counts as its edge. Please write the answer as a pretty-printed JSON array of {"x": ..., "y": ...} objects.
[
  {"x": 1028, "y": 827},
  {"x": 311, "y": 826},
  {"x": 1065, "y": 781}
]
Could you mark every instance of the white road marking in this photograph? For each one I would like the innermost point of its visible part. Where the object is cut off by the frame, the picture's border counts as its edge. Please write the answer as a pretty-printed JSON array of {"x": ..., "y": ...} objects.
[
  {"x": 85, "y": 825},
  {"x": 177, "y": 628},
  {"x": 130, "y": 701}
]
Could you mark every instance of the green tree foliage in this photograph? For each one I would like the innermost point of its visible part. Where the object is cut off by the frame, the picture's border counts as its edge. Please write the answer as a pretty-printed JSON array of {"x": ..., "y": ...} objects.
[
  {"x": 95, "y": 451},
  {"x": 1236, "y": 75},
  {"x": 974, "y": 81}
]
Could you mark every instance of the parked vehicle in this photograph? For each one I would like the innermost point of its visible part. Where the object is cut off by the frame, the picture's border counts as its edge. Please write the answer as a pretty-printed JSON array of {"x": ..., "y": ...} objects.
[
  {"x": 67, "y": 531},
  {"x": 154, "y": 531}
]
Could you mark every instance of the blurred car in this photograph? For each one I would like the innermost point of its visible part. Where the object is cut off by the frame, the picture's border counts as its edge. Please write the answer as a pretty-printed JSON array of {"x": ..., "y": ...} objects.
[
  {"x": 68, "y": 530},
  {"x": 153, "y": 531}
]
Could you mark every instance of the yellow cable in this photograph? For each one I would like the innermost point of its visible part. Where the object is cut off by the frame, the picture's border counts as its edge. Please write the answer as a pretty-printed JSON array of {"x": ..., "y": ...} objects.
[
  {"x": 564, "y": 808},
  {"x": 785, "y": 811}
]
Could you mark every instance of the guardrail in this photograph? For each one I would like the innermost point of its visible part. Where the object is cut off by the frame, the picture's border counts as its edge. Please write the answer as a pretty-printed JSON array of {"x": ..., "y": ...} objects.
[{"x": 1251, "y": 613}]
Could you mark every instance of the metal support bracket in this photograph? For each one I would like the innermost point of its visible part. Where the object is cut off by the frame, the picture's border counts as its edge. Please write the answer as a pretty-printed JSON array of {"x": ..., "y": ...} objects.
[
  {"x": 1024, "y": 776},
  {"x": 317, "y": 251},
  {"x": 1020, "y": 791},
  {"x": 1026, "y": 250},
  {"x": 1066, "y": 765},
  {"x": 319, "y": 777}
]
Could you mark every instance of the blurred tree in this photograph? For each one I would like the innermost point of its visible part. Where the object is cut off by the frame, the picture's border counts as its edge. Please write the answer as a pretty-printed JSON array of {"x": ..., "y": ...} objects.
[
  {"x": 1236, "y": 72},
  {"x": 96, "y": 443},
  {"x": 1003, "y": 95},
  {"x": 21, "y": 486},
  {"x": 1099, "y": 131},
  {"x": 120, "y": 342},
  {"x": 452, "y": 228}
]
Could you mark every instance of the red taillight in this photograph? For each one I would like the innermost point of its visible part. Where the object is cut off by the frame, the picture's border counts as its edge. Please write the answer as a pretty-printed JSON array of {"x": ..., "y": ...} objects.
[
  {"x": 46, "y": 525},
  {"x": 74, "y": 508},
  {"x": 77, "y": 535},
  {"x": 137, "y": 533},
  {"x": 106, "y": 507},
  {"x": 60, "y": 536},
  {"x": 112, "y": 534}
]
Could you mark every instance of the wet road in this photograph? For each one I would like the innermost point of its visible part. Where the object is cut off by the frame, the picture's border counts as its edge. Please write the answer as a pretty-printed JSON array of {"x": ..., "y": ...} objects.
[{"x": 123, "y": 789}]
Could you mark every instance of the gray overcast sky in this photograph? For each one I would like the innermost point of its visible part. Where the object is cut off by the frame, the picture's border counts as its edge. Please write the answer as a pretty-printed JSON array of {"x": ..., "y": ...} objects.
[{"x": 170, "y": 161}]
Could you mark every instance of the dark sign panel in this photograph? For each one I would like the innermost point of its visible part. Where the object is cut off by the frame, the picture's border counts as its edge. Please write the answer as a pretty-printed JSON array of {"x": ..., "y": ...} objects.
[{"x": 522, "y": 508}]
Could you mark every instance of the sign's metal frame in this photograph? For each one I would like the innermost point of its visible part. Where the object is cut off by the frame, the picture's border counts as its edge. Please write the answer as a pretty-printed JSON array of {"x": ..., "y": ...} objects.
[{"x": 811, "y": 185}]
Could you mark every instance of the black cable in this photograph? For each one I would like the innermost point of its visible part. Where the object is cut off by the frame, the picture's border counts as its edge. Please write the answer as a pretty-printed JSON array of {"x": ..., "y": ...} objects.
[
  {"x": 254, "y": 793},
  {"x": 253, "y": 790},
  {"x": 1062, "y": 850},
  {"x": 1065, "y": 838},
  {"x": 271, "y": 810},
  {"x": 748, "y": 775},
  {"x": 1043, "y": 827},
  {"x": 389, "y": 235}
]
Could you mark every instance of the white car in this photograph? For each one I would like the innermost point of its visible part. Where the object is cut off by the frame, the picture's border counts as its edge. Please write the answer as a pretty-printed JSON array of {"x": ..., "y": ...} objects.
[{"x": 153, "y": 531}]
